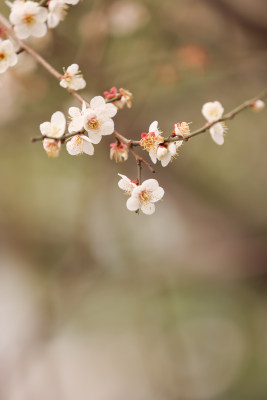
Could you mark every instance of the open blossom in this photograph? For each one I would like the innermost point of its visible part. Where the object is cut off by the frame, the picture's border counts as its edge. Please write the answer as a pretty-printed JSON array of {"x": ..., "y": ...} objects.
[
  {"x": 167, "y": 151},
  {"x": 8, "y": 56},
  {"x": 181, "y": 129},
  {"x": 118, "y": 151},
  {"x": 73, "y": 79},
  {"x": 151, "y": 140},
  {"x": 55, "y": 128},
  {"x": 79, "y": 144},
  {"x": 258, "y": 105},
  {"x": 97, "y": 119},
  {"x": 52, "y": 147},
  {"x": 126, "y": 184},
  {"x": 144, "y": 196},
  {"x": 217, "y": 133},
  {"x": 28, "y": 19},
  {"x": 212, "y": 111},
  {"x": 57, "y": 10}
]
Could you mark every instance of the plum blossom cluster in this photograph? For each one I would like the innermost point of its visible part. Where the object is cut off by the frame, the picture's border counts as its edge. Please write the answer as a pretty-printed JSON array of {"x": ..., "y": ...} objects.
[
  {"x": 141, "y": 196},
  {"x": 88, "y": 124},
  {"x": 30, "y": 18}
]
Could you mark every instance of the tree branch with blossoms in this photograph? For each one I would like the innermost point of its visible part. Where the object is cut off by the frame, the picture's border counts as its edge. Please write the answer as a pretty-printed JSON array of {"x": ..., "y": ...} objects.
[{"x": 95, "y": 118}]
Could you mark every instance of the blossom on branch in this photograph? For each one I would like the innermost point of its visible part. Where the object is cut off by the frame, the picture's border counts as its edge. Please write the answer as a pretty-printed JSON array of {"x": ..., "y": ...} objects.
[
  {"x": 150, "y": 141},
  {"x": 52, "y": 147},
  {"x": 55, "y": 128},
  {"x": 57, "y": 10},
  {"x": 8, "y": 56},
  {"x": 258, "y": 105},
  {"x": 181, "y": 129},
  {"x": 119, "y": 98},
  {"x": 80, "y": 144},
  {"x": 212, "y": 111},
  {"x": 167, "y": 151},
  {"x": 118, "y": 151},
  {"x": 28, "y": 19},
  {"x": 144, "y": 196},
  {"x": 72, "y": 78}
]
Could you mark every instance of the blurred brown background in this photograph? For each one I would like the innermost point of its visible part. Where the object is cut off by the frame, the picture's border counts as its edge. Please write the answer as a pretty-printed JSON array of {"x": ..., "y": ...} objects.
[{"x": 97, "y": 303}]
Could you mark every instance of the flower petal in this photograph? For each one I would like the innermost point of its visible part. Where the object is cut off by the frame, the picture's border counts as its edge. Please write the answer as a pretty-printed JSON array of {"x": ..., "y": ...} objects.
[
  {"x": 133, "y": 204},
  {"x": 157, "y": 194},
  {"x": 148, "y": 208},
  {"x": 97, "y": 102}
]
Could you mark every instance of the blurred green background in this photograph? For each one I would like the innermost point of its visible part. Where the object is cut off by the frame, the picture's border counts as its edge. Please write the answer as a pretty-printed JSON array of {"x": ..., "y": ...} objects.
[{"x": 97, "y": 303}]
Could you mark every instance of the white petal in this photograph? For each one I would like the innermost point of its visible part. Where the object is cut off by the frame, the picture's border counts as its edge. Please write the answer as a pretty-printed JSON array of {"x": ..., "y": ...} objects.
[
  {"x": 73, "y": 69},
  {"x": 110, "y": 110},
  {"x": 148, "y": 208},
  {"x": 133, "y": 203},
  {"x": 153, "y": 156},
  {"x": 153, "y": 127},
  {"x": 157, "y": 194},
  {"x": 97, "y": 102},
  {"x": 39, "y": 30},
  {"x": 107, "y": 128},
  {"x": 216, "y": 132},
  {"x": 150, "y": 184},
  {"x": 165, "y": 161},
  {"x": 58, "y": 119},
  {"x": 172, "y": 148},
  {"x": 88, "y": 148},
  {"x": 46, "y": 128},
  {"x": 95, "y": 137},
  {"x": 74, "y": 112}
]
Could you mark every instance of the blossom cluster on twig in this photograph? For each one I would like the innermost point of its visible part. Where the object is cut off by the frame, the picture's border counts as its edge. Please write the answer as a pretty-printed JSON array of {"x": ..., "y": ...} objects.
[{"x": 88, "y": 124}]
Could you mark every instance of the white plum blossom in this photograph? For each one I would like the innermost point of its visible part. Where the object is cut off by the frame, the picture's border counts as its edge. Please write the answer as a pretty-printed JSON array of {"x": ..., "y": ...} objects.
[
  {"x": 72, "y": 78},
  {"x": 55, "y": 128},
  {"x": 97, "y": 120},
  {"x": 217, "y": 133},
  {"x": 144, "y": 196},
  {"x": 212, "y": 111},
  {"x": 181, "y": 129},
  {"x": 126, "y": 184},
  {"x": 8, "y": 56},
  {"x": 28, "y": 19},
  {"x": 151, "y": 140},
  {"x": 52, "y": 147},
  {"x": 79, "y": 144},
  {"x": 56, "y": 12},
  {"x": 167, "y": 151},
  {"x": 258, "y": 105}
]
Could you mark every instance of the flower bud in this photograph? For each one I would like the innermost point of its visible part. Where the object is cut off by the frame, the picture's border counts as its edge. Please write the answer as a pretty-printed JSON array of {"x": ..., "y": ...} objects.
[{"x": 52, "y": 147}]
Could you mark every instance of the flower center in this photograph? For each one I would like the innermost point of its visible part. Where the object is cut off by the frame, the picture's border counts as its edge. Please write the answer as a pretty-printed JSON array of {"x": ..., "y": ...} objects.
[
  {"x": 145, "y": 196},
  {"x": 2, "y": 56},
  {"x": 92, "y": 123},
  {"x": 67, "y": 77},
  {"x": 29, "y": 19}
]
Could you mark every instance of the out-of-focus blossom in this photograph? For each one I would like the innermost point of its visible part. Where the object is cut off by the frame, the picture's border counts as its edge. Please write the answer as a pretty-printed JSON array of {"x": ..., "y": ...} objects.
[
  {"x": 151, "y": 140},
  {"x": 57, "y": 10},
  {"x": 118, "y": 151},
  {"x": 125, "y": 17},
  {"x": 52, "y": 147},
  {"x": 191, "y": 56},
  {"x": 144, "y": 196},
  {"x": 212, "y": 111},
  {"x": 80, "y": 144},
  {"x": 28, "y": 19},
  {"x": 8, "y": 57},
  {"x": 55, "y": 128},
  {"x": 258, "y": 105},
  {"x": 73, "y": 79}
]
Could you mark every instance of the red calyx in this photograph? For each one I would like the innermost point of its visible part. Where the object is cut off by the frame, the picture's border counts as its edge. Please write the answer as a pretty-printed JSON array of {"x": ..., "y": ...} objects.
[
  {"x": 135, "y": 182},
  {"x": 143, "y": 135}
]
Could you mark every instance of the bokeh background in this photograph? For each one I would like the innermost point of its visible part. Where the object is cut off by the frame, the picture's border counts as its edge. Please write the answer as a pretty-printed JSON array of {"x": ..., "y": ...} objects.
[{"x": 97, "y": 303}]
